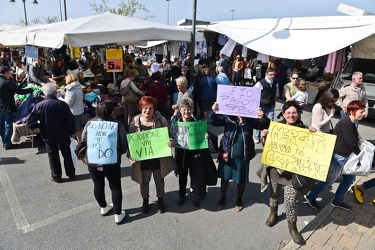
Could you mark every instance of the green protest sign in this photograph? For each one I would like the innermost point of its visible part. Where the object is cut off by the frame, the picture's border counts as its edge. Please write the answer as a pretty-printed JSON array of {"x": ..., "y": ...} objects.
[
  {"x": 190, "y": 135},
  {"x": 149, "y": 144}
]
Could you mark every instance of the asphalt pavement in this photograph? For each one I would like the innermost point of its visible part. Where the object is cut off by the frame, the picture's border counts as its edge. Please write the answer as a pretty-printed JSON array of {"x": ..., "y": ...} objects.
[{"x": 37, "y": 213}]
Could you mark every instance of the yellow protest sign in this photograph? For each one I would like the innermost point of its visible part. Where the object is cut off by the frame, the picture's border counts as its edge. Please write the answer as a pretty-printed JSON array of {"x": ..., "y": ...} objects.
[
  {"x": 114, "y": 60},
  {"x": 298, "y": 150}
]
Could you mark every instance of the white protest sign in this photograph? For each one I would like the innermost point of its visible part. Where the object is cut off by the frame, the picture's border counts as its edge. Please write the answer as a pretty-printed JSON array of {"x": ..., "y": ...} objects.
[
  {"x": 238, "y": 100},
  {"x": 102, "y": 142}
]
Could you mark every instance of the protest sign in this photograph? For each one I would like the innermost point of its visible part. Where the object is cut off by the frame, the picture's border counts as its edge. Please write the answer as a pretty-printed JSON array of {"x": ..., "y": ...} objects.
[
  {"x": 102, "y": 142},
  {"x": 238, "y": 100},
  {"x": 149, "y": 144},
  {"x": 114, "y": 59},
  {"x": 298, "y": 150},
  {"x": 190, "y": 135}
]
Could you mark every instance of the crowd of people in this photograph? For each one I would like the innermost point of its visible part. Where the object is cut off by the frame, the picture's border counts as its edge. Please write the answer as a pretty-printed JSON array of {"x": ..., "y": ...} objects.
[{"x": 170, "y": 97}]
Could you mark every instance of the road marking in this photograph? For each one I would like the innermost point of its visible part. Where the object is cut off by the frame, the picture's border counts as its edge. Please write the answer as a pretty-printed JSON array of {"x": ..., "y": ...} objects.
[
  {"x": 19, "y": 216},
  {"x": 15, "y": 207},
  {"x": 70, "y": 212}
]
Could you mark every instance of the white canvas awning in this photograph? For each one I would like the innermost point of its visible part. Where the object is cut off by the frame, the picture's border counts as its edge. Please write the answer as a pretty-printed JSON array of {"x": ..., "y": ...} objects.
[
  {"x": 297, "y": 38},
  {"x": 93, "y": 30}
]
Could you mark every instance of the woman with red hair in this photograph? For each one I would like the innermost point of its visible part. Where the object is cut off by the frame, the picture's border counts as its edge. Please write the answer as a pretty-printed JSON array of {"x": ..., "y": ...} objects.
[
  {"x": 159, "y": 167},
  {"x": 347, "y": 142}
]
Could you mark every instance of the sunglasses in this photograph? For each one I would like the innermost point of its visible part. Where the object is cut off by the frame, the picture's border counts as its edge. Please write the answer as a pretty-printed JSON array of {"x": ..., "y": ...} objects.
[{"x": 294, "y": 78}]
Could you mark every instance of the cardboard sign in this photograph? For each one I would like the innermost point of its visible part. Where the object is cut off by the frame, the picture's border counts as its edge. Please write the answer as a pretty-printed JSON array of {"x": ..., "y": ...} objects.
[
  {"x": 149, "y": 144},
  {"x": 298, "y": 150},
  {"x": 102, "y": 139},
  {"x": 31, "y": 51},
  {"x": 114, "y": 60},
  {"x": 238, "y": 100},
  {"x": 190, "y": 135}
]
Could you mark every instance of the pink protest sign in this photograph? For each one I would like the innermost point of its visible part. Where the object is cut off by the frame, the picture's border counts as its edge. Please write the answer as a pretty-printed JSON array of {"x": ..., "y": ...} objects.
[{"x": 238, "y": 100}]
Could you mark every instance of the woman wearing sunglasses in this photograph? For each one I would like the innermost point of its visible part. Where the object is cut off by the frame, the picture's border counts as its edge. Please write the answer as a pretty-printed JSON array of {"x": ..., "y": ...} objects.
[{"x": 291, "y": 88}]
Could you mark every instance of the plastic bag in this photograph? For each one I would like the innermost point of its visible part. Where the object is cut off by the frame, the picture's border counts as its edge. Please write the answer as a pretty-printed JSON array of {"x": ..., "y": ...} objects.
[
  {"x": 360, "y": 164},
  {"x": 73, "y": 145}
]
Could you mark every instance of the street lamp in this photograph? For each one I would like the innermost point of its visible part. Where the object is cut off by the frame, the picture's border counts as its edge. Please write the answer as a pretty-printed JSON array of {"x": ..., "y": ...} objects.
[
  {"x": 24, "y": 7},
  {"x": 232, "y": 13},
  {"x": 168, "y": 11}
]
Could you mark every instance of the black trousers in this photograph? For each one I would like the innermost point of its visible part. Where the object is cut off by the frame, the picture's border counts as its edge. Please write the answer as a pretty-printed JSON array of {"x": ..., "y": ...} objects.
[
  {"x": 194, "y": 165},
  {"x": 197, "y": 104},
  {"x": 113, "y": 175},
  {"x": 54, "y": 157}
]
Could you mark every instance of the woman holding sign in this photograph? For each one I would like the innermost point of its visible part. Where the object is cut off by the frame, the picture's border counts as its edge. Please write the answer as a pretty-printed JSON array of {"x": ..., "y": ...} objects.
[
  {"x": 188, "y": 160},
  {"x": 158, "y": 167},
  {"x": 236, "y": 150},
  {"x": 291, "y": 112},
  {"x": 103, "y": 134}
]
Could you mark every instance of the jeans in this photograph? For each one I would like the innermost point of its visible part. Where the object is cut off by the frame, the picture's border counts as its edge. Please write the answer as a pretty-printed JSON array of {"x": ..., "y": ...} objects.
[
  {"x": 335, "y": 169},
  {"x": 270, "y": 113},
  {"x": 369, "y": 184},
  {"x": 6, "y": 127}
]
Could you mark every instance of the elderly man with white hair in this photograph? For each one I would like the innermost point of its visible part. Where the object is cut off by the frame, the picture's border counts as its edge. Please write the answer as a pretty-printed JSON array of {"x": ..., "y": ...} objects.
[
  {"x": 221, "y": 77},
  {"x": 57, "y": 125}
]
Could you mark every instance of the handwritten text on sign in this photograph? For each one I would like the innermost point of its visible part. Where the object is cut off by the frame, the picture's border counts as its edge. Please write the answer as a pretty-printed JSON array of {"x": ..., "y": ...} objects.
[
  {"x": 238, "y": 101},
  {"x": 298, "y": 150},
  {"x": 102, "y": 142},
  {"x": 190, "y": 135},
  {"x": 149, "y": 144}
]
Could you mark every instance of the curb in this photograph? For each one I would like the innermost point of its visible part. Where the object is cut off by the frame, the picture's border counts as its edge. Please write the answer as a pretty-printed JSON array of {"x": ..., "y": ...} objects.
[{"x": 311, "y": 227}]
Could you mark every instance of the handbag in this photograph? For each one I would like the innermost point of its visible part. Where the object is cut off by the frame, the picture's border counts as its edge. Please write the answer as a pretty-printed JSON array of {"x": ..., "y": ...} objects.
[
  {"x": 81, "y": 150},
  {"x": 210, "y": 171},
  {"x": 73, "y": 146},
  {"x": 302, "y": 183},
  {"x": 213, "y": 143},
  {"x": 360, "y": 164},
  {"x": 131, "y": 97}
]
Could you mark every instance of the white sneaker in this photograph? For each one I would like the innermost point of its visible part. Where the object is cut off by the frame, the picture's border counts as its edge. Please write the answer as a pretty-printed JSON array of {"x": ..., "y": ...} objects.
[
  {"x": 256, "y": 141},
  {"x": 120, "y": 217},
  {"x": 106, "y": 209}
]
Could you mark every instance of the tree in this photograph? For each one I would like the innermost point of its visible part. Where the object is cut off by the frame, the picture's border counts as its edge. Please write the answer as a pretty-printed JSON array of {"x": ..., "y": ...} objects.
[
  {"x": 37, "y": 20},
  {"x": 125, "y": 9}
]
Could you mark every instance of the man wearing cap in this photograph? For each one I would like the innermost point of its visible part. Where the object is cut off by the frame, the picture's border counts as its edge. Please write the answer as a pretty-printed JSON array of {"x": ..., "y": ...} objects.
[
  {"x": 7, "y": 106},
  {"x": 237, "y": 67},
  {"x": 204, "y": 61}
]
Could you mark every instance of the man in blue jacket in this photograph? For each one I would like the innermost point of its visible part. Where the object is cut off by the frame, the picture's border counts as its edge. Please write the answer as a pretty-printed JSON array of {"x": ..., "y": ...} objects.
[{"x": 56, "y": 123}]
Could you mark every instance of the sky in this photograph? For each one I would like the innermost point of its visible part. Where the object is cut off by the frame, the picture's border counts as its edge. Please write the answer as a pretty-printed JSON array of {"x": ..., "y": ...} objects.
[{"x": 207, "y": 10}]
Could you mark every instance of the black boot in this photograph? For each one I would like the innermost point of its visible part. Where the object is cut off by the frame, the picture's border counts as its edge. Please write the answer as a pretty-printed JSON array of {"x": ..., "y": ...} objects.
[
  {"x": 296, "y": 236},
  {"x": 271, "y": 221},
  {"x": 160, "y": 206},
  {"x": 145, "y": 206}
]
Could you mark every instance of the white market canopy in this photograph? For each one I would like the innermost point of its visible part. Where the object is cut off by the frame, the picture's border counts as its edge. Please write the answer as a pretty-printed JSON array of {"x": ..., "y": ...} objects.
[
  {"x": 93, "y": 30},
  {"x": 7, "y": 26},
  {"x": 297, "y": 37}
]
